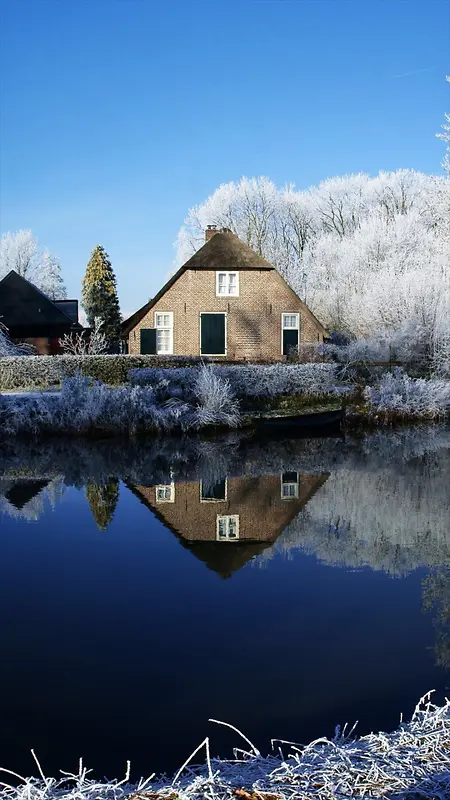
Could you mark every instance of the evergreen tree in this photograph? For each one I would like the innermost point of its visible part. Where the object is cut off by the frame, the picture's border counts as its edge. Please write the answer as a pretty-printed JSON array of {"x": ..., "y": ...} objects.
[
  {"x": 102, "y": 498},
  {"x": 99, "y": 294}
]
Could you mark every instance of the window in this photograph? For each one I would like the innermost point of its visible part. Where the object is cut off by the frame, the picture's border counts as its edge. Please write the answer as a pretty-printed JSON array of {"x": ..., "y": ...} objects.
[
  {"x": 164, "y": 332},
  {"x": 213, "y": 492},
  {"x": 165, "y": 493},
  {"x": 227, "y": 284},
  {"x": 289, "y": 485},
  {"x": 227, "y": 528},
  {"x": 290, "y": 322}
]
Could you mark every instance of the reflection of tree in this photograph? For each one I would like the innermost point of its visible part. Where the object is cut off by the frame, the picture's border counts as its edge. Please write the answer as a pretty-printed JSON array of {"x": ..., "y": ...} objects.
[
  {"x": 436, "y": 599},
  {"x": 102, "y": 498}
]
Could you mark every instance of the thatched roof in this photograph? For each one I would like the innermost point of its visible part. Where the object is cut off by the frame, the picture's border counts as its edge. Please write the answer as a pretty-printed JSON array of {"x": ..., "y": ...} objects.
[
  {"x": 226, "y": 251},
  {"x": 223, "y": 251}
]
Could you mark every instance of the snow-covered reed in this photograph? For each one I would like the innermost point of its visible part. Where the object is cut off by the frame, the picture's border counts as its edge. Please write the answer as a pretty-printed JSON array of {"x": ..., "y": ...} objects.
[
  {"x": 412, "y": 761},
  {"x": 397, "y": 396}
]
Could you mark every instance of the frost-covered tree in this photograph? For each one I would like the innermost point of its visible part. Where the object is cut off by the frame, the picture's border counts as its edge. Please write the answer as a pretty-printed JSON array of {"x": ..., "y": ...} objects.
[
  {"x": 19, "y": 252},
  {"x": 368, "y": 254},
  {"x": 445, "y": 136},
  {"x": 49, "y": 278},
  {"x": 83, "y": 344},
  {"x": 99, "y": 294}
]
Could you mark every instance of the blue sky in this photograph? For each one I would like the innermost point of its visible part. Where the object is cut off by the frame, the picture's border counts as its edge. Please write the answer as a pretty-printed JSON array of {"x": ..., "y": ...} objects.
[{"x": 118, "y": 115}]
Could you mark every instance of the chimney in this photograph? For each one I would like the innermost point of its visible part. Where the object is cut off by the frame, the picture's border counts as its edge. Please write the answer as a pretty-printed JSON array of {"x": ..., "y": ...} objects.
[{"x": 211, "y": 230}]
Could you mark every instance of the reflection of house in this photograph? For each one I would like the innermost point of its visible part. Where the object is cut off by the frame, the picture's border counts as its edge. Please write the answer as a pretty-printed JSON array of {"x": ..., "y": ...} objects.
[
  {"x": 226, "y": 523},
  {"x": 21, "y": 492}
]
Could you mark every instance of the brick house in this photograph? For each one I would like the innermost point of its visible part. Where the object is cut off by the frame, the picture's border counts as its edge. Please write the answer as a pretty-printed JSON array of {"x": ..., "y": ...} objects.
[
  {"x": 229, "y": 522},
  {"x": 225, "y": 301},
  {"x": 30, "y": 316}
]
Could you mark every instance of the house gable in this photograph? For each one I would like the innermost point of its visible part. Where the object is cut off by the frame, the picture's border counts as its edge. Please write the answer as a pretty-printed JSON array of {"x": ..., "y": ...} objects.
[{"x": 252, "y": 315}]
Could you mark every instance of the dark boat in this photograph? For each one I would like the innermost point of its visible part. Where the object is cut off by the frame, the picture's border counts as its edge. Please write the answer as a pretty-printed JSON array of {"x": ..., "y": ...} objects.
[{"x": 327, "y": 420}]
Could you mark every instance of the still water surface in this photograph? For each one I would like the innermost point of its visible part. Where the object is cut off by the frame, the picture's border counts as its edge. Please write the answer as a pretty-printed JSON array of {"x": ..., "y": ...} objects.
[{"x": 282, "y": 586}]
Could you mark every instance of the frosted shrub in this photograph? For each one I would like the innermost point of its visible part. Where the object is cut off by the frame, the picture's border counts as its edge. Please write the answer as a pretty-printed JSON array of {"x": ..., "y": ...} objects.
[
  {"x": 247, "y": 381},
  {"x": 85, "y": 407},
  {"x": 399, "y": 396},
  {"x": 216, "y": 400}
]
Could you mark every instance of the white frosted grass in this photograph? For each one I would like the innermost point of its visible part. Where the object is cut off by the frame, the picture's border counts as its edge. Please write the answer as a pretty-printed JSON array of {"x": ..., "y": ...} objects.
[{"x": 411, "y": 762}]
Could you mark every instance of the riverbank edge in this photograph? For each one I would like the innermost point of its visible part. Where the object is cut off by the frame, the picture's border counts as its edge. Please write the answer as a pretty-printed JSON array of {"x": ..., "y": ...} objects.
[{"x": 411, "y": 762}]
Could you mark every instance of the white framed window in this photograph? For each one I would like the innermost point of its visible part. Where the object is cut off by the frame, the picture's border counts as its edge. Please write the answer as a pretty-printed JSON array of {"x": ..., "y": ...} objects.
[
  {"x": 289, "y": 485},
  {"x": 165, "y": 493},
  {"x": 290, "y": 322},
  {"x": 227, "y": 284},
  {"x": 227, "y": 529},
  {"x": 164, "y": 332},
  {"x": 213, "y": 492}
]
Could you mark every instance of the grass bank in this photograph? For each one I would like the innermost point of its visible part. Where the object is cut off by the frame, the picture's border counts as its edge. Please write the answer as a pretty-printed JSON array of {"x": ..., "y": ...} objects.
[{"x": 411, "y": 762}]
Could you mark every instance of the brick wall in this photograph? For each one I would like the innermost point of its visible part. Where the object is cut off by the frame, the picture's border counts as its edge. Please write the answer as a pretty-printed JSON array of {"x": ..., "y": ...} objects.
[
  {"x": 253, "y": 318},
  {"x": 263, "y": 514}
]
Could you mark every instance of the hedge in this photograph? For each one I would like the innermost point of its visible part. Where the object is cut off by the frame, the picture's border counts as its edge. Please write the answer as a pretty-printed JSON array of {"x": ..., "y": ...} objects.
[{"x": 28, "y": 372}]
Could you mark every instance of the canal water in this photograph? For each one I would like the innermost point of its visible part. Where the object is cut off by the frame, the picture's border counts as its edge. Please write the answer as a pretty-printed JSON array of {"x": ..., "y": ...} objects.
[{"x": 283, "y": 586}]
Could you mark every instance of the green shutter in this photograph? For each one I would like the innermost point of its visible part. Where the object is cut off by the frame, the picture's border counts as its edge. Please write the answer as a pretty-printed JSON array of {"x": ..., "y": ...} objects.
[
  {"x": 148, "y": 341},
  {"x": 290, "y": 340},
  {"x": 212, "y": 334}
]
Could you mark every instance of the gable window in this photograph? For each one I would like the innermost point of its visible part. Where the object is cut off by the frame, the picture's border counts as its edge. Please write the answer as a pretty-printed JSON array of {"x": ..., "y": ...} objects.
[
  {"x": 213, "y": 492},
  {"x": 289, "y": 485},
  {"x": 290, "y": 333},
  {"x": 227, "y": 529},
  {"x": 227, "y": 284},
  {"x": 165, "y": 493},
  {"x": 164, "y": 332}
]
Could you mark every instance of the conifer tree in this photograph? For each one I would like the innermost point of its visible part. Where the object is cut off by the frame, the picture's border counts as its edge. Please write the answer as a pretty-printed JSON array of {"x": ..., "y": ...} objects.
[
  {"x": 99, "y": 294},
  {"x": 102, "y": 498}
]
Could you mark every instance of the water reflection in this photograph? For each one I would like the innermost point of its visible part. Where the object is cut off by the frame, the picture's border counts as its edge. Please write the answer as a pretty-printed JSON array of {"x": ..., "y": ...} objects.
[
  {"x": 229, "y": 521},
  {"x": 337, "y": 603}
]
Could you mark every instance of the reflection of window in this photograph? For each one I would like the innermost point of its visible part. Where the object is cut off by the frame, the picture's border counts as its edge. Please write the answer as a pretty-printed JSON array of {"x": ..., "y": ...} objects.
[
  {"x": 213, "y": 492},
  {"x": 227, "y": 528},
  {"x": 289, "y": 485},
  {"x": 164, "y": 332},
  {"x": 227, "y": 283},
  {"x": 165, "y": 493}
]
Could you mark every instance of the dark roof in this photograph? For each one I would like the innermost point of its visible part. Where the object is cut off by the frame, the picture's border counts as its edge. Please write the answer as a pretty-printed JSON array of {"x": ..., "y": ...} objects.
[
  {"x": 23, "y": 305},
  {"x": 223, "y": 251},
  {"x": 226, "y": 251},
  {"x": 69, "y": 307}
]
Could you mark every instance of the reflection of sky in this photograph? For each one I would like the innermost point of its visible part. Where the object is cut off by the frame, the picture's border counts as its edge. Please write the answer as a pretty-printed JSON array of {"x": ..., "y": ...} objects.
[{"x": 120, "y": 644}]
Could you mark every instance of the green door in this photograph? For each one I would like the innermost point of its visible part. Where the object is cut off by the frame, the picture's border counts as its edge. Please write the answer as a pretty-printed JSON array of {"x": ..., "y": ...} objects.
[
  {"x": 290, "y": 341},
  {"x": 148, "y": 341},
  {"x": 212, "y": 335}
]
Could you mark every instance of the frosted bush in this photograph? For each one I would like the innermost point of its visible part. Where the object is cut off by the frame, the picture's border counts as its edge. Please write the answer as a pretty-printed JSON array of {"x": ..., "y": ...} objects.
[
  {"x": 216, "y": 400},
  {"x": 398, "y": 395},
  {"x": 83, "y": 406},
  {"x": 252, "y": 380}
]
